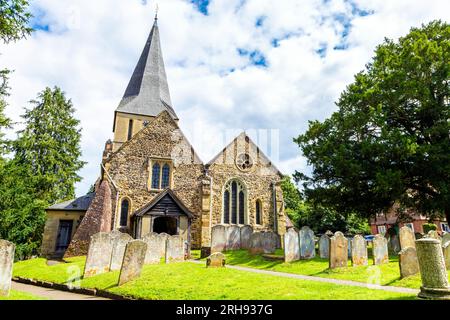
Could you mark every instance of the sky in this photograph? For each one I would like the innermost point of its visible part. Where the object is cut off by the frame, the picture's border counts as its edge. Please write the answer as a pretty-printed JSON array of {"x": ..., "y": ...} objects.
[{"x": 261, "y": 66}]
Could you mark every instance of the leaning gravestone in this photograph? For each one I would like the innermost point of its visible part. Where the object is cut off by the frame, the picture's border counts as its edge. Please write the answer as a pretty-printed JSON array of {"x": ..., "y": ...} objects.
[
  {"x": 156, "y": 248},
  {"x": 307, "y": 244},
  {"x": 233, "y": 238},
  {"x": 324, "y": 246},
  {"x": 338, "y": 251},
  {"x": 291, "y": 246},
  {"x": 174, "y": 249},
  {"x": 119, "y": 244},
  {"x": 256, "y": 243},
  {"x": 446, "y": 249},
  {"x": 407, "y": 238},
  {"x": 246, "y": 233},
  {"x": 393, "y": 244},
  {"x": 409, "y": 265},
  {"x": 359, "y": 251},
  {"x": 216, "y": 260},
  {"x": 432, "y": 270},
  {"x": 218, "y": 238},
  {"x": 269, "y": 242},
  {"x": 98, "y": 259},
  {"x": 380, "y": 250},
  {"x": 7, "y": 250},
  {"x": 133, "y": 261}
]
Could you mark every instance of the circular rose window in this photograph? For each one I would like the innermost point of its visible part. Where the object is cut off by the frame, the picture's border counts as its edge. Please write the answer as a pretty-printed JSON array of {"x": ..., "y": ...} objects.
[{"x": 244, "y": 162}]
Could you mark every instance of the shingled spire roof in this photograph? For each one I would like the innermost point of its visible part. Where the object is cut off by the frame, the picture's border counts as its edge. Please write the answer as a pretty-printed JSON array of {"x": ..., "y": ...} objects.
[{"x": 148, "y": 92}]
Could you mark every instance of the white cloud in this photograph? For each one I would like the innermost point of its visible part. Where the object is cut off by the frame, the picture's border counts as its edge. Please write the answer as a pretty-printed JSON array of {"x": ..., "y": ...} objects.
[{"x": 93, "y": 46}]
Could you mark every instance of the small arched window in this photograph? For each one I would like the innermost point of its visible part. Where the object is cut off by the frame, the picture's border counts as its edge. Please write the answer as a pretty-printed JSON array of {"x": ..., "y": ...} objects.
[
  {"x": 130, "y": 129},
  {"x": 124, "y": 208},
  {"x": 155, "y": 176},
  {"x": 165, "y": 176},
  {"x": 234, "y": 203},
  {"x": 258, "y": 212}
]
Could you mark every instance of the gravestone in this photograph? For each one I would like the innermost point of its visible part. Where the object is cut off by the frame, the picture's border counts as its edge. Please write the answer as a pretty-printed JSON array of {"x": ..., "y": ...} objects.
[
  {"x": 408, "y": 262},
  {"x": 446, "y": 249},
  {"x": 291, "y": 246},
  {"x": 174, "y": 249},
  {"x": 133, "y": 261},
  {"x": 256, "y": 243},
  {"x": 216, "y": 260},
  {"x": 233, "y": 238},
  {"x": 156, "y": 248},
  {"x": 119, "y": 244},
  {"x": 269, "y": 241},
  {"x": 246, "y": 233},
  {"x": 338, "y": 251},
  {"x": 432, "y": 270},
  {"x": 380, "y": 250},
  {"x": 98, "y": 259},
  {"x": 433, "y": 234},
  {"x": 218, "y": 238},
  {"x": 359, "y": 251},
  {"x": 324, "y": 246},
  {"x": 407, "y": 238},
  {"x": 307, "y": 243},
  {"x": 7, "y": 250},
  {"x": 393, "y": 244}
]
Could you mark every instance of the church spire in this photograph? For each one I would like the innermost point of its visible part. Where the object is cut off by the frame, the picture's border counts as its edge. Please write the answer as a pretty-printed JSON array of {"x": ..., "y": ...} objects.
[{"x": 148, "y": 91}]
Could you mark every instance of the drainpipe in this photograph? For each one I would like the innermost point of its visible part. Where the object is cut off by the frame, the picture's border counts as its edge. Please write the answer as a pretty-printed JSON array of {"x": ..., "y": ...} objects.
[{"x": 275, "y": 213}]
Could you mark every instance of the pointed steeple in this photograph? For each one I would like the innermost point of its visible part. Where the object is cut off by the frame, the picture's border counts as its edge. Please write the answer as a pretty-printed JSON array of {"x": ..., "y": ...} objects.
[{"x": 148, "y": 91}]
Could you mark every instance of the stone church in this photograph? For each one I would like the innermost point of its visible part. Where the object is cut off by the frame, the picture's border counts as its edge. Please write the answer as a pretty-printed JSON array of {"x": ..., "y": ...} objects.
[{"x": 152, "y": 180}]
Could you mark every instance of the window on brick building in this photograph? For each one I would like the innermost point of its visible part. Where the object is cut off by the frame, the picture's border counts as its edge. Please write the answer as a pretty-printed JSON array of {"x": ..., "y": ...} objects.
[{"x": 234, "y": 203}]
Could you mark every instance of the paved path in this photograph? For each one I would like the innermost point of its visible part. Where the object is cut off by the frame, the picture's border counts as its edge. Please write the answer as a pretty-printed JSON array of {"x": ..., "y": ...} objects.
[
  {"x": 51, "y": 294},
  {"x": 319, "y": 279}
]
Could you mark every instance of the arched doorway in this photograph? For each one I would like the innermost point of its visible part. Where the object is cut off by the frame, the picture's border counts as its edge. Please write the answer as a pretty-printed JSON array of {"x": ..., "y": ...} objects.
[{"x": 167, "y": 225}]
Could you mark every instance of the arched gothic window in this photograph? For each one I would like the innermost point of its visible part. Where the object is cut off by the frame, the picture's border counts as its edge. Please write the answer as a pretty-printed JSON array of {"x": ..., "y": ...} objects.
[
  {"x": 165, "y": 176},
  {"x": 258, "y": 211},
  {"x": 160, "y": 177},
  {"x": 124, "y": 208},
  {"x": 155, "y": 175},
  {"x": 234, "y": 203}
]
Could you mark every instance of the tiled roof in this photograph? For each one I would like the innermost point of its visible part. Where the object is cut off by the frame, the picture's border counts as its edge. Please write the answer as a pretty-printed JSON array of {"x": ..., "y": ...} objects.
[{"x": 78, "y": 204}]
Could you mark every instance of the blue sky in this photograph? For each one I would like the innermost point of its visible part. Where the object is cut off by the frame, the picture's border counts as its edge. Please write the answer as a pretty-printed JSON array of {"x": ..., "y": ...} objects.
[{"x": 267, "y": 67}]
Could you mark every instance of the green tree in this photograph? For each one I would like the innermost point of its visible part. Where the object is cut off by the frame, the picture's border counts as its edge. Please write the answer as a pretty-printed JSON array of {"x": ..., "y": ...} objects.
[
  {"x": 389, "y": 140},
  {"x": 50, "y": 146},
  {"x": 14, "y": 19}
]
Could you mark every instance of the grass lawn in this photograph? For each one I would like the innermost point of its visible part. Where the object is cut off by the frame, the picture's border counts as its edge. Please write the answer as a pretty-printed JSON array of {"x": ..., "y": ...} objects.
[
  {"x": 387, "y": 274},
  {"x": 188, "y": 281},
  {"x": 17, "y": 295}
]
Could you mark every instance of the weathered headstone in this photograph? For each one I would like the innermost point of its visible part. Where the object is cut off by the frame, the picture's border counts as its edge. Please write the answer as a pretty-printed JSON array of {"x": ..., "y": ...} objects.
[
  {"x": 409, "y": 265},
  {"x": 432, "y": 270},
  {"x": 119, "y": 244},
  {"x": 393, "y": 244},
  {"x": 133, "y": 261},
  {"x": 216, "y": 260},
  {"x": 218, "y": 238},
  {"x": 269, "y": 241},
  {"x": 7, "y": 250},
  {"x": 338, "y": 251},
  {"x": 433, "y": 234},
  {"x": 98, "y": 259},
  {"x": 359, "y": 251},
  {"x": 233, "y": 238},
  {"x": 446, "y": 249},
  {"x": 380, "y": 250},
  {"x": 174, "y": 249},
  {"x": 407, "y": 238},
  {"x": 324, "y": 246},
  {"x": 256, "y": 243},
  {"x": 291, "y": 246},
  {"x": 246, "y": 233},
  {"x": 156, "y": 248},
  {"x": 307, "y": 243}
]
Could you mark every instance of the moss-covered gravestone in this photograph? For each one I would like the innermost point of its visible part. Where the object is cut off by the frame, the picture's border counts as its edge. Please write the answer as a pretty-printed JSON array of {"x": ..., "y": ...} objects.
[
  {"x": 98, "y": 259},
  {"x": 175, "y": 249},
  {"x": 218, "y": 238},
  {"x": 446, "y": 249},
  {"x": 409, "y": 265},
  {"x": 7, "y": 250},
  {"x": 156, "y": 247},
  {"x": 359, "y": 251},
  {"x": 407, "y": 238},
  {"x": 246, "y": 233},
  {"x": 233, "y": 238},
  {"x": 256, "y": 243},
  {"x": 119, "y": 244},
  {"x": 216, "y": 260},
  {"x": 432, "y": 269},
  {"x": 338, "y": 251},
  {"x": 380, "y": 250},
  {"x": 269, "y": 241}
]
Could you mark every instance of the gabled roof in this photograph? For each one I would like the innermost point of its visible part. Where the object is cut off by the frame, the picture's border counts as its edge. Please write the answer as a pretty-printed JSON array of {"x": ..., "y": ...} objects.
[
  {"x": 148, "y": 91},
  {"x": 78, "y": 204},
  {"x": 158, "y": 198},
  {"x": 244, "y": 135}
]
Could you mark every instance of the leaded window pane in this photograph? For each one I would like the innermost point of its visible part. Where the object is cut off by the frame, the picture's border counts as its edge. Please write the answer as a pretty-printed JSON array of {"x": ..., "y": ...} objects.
[
  {"x": 155, "y": 176},
  {"x": 241, "y": 207},
  {"x": 234, "y": 203},
  {"x": 165, "y": 176},
  {"x": 226, "y": 207},
  {"x": 124, "y": 213}
]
